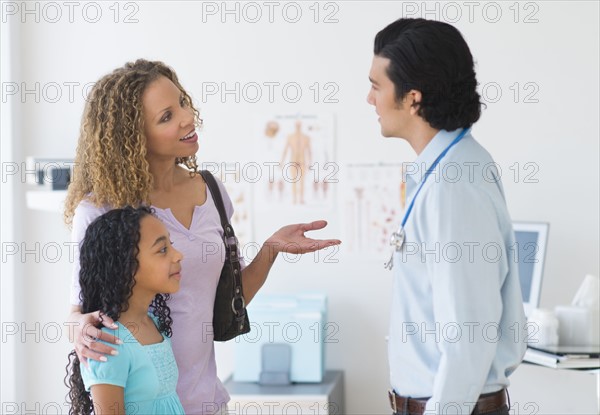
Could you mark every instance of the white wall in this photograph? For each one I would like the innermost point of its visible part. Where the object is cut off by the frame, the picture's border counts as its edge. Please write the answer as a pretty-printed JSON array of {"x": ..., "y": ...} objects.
[
  {"x": 11, "y": 379},
  {"x": 558, "y": 55}
]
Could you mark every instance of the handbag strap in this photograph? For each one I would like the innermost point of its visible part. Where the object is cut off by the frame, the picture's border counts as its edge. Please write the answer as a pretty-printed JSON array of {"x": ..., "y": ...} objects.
[
  {"x": 231, "y": 242},
  {"x": 218, "y": 199}
]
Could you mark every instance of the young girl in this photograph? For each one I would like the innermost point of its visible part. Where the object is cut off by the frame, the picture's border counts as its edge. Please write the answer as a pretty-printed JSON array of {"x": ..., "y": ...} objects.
[{"x": 127, "y": 261}]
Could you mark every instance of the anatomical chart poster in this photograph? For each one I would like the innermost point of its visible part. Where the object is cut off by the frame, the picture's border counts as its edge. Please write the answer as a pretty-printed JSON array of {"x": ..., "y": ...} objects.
[
  {"x": 372, "y": 202},
  {"x": 295, "y": 153}
]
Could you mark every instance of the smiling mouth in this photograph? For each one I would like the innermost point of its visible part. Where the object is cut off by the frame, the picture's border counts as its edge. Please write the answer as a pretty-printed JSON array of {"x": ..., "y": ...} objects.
[{"x": 191, "y": 135}]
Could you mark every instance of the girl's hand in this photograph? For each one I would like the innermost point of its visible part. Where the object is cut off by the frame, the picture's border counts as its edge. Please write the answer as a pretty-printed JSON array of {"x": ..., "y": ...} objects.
[
  {"x": 291, "y": 239},
  {"x": 85, "y": 336}
]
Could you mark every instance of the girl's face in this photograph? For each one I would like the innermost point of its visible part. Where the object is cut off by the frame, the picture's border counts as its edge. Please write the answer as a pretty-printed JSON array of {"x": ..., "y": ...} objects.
[
  {"x": 159, "y": 268},
  {"x": 168, "y": 121}
]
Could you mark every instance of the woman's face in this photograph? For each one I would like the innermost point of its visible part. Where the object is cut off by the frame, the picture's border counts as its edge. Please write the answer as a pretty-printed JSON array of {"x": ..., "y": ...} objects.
[{"x": 168, "y": 122}]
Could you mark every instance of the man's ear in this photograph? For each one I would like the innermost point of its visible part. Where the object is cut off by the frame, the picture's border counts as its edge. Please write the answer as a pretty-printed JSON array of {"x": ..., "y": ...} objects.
[{"x": 413, "y": 98}]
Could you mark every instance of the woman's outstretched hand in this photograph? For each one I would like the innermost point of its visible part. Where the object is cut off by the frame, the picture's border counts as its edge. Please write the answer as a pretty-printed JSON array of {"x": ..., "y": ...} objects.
[
  {"x": 85, "y": 336},
  {"x": 291, "y": 239}
]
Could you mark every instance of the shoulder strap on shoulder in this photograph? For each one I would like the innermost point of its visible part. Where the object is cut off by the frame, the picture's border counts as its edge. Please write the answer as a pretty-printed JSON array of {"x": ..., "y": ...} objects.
[{"x": 211, "y": 182}]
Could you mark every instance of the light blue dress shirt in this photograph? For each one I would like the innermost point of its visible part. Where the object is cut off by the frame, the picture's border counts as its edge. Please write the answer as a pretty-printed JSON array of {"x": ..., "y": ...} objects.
[{"x": 457, "y": 325}]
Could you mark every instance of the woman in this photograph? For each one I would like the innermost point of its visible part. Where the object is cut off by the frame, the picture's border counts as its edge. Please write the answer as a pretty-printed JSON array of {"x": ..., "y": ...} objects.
[{"x": 137, "y": 145}]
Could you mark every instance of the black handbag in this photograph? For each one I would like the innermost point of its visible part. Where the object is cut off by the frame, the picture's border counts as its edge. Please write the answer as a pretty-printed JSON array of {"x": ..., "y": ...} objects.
[{"x": 230, "y": 318}]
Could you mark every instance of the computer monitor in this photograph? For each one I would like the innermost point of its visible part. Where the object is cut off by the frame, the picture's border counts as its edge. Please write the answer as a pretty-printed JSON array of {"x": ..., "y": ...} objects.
[{"x": 531, "y": 239}]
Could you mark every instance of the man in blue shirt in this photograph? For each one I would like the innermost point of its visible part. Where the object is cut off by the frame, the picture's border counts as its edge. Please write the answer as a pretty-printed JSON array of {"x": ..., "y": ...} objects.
[{"x": 457, "y": 323}]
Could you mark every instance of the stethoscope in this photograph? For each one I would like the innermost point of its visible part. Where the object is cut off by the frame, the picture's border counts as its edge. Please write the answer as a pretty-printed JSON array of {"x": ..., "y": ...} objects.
[{"x": 397, "y": 239}]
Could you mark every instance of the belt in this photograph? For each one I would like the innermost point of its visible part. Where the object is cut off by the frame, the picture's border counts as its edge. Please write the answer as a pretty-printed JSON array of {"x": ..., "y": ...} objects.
[{"x": 486, "y": 403}]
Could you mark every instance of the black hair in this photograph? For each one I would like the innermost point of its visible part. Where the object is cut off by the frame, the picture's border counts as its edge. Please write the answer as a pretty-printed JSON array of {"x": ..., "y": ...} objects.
[
  {"x": 108, "y": 259},
  {"x": 432, "y": 57}
]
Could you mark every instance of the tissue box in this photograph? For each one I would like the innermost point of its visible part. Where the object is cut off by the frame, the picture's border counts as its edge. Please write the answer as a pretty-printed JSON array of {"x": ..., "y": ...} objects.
[
  {"x": 579, "y": 323},
  {"x": 578, "y": 326},
  {"x": 296, "y": 320}
]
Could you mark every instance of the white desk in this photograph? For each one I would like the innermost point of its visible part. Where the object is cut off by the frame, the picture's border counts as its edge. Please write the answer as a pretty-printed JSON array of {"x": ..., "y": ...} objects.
[
  {"x": 322, "y": 398},
  {"x": 538, "y": 389}
]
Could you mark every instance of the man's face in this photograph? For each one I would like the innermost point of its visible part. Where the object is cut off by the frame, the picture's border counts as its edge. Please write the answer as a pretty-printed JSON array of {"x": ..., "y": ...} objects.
[{"x": 393, "y": 117}]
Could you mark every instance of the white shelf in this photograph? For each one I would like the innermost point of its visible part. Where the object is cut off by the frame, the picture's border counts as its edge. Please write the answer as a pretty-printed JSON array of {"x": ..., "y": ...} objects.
[{"x": 46, "y": 200}]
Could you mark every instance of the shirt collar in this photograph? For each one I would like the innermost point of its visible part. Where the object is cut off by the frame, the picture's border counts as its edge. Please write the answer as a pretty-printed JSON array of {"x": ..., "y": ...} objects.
[{"x": 416, "y": 170}]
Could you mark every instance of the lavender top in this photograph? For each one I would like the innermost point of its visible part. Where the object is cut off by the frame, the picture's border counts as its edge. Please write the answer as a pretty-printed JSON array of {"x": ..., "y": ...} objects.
[{"x": 199, "y": 389}]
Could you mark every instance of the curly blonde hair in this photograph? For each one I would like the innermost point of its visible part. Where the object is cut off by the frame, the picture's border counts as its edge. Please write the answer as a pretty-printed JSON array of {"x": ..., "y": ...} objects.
[{"x": 110, "y": 162}]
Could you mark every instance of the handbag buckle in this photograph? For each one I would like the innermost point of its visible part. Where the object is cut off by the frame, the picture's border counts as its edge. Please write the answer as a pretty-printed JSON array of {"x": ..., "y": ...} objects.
[
  {"x": 231, "y": 241},
  {"x": 231, "y": 244},
  {"x": 233, "y": 304}
]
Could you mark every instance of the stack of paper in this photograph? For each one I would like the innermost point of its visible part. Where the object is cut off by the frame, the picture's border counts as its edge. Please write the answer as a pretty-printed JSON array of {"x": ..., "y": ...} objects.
[{"x": 562, "y": 360}]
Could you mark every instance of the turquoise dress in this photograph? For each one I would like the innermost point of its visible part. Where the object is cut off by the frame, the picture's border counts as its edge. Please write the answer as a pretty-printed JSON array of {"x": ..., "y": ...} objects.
[{"x": 148, "y": 373}]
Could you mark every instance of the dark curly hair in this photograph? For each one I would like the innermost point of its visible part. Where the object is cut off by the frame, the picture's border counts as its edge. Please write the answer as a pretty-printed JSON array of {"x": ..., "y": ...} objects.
[
  {"x": 432, "y": 57},
  {"x": 108, "y": 258}
]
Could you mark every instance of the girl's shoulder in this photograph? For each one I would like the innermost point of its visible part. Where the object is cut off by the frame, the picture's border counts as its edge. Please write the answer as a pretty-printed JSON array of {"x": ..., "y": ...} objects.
[{"x": 113, "y": 371}]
